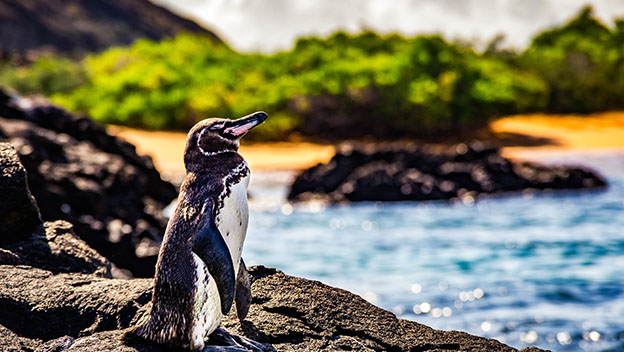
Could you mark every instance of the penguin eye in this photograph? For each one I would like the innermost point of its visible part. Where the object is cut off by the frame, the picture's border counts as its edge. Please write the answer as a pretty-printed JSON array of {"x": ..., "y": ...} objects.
[{"x": 216, "y": 127}]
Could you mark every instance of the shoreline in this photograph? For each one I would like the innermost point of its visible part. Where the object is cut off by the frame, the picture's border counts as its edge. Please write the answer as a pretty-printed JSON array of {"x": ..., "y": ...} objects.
[
  {"x": 538, "y": 136},
  {"x": 167, "y": 149},
  {"x": 534, "y": 137}
]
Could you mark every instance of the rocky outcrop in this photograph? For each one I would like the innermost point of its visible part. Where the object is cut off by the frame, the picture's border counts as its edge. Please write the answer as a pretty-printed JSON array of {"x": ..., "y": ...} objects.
[
  {"x": 44, "y": 306},
  {"x": 295, "y": 314},
  {"x": 79, "y": 173},
  {"x": 18, "y": 213},
  {"x": 289, "y": 313},
  {"x": 12, "y": 342},
  {"x": 415, "y": 173},
  {"x": 85, "y": 25},
  {"x": 56, "y": 248},
  {"x": 52, "y": 245}
]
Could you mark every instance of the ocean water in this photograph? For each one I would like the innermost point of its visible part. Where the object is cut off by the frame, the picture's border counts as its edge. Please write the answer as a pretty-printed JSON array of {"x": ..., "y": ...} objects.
[{"x": 529, "y": 269}]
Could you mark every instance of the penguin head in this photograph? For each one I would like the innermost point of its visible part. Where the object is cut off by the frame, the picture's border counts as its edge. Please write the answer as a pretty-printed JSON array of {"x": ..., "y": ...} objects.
[{"x": 214, "y": 136}]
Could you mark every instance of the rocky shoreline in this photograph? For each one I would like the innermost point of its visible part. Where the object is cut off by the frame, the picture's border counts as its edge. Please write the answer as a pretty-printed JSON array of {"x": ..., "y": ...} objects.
[
  {"x": 396, "y": 172},
  {"x": 287, "y": 314},
  {"x": 57, "y": 293}
]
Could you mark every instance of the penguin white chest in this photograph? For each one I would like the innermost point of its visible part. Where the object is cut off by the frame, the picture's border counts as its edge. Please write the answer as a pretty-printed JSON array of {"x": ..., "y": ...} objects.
[
  {"x": 207, "y": 307},
  {"x": 232, "y": 219}
]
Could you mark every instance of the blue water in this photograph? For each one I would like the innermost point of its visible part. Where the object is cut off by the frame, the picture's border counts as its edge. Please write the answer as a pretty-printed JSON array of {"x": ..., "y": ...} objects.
[{"x": 542, "y": 270}]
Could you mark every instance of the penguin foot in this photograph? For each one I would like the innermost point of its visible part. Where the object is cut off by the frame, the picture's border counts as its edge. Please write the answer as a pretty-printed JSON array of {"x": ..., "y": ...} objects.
[
  {"x": 223, "y": 349},
  {"x": 222, "y": 340}
]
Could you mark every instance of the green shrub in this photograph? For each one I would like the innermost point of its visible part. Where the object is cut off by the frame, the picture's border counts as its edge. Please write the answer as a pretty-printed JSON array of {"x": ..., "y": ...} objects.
[
  {"x": 582, "y": 63},
  {"x": 47, "y": 75}
]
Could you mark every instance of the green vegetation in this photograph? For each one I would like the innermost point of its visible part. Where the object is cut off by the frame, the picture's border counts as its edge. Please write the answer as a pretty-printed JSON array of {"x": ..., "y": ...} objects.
[
  {"x": 341, "y": 86},
  {"x": 582, "y": 63}
]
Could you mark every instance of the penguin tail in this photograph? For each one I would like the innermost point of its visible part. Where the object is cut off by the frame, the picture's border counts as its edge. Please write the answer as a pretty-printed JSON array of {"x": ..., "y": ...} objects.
[
  {"x": 154, "y": 330},
  {"x": 143, "y": 332},
  {"x": 135, "y": 333}
]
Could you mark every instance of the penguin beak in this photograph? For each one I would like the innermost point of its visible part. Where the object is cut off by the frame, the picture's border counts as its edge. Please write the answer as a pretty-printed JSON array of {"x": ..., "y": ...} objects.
[{"x": 240, "y": 127}]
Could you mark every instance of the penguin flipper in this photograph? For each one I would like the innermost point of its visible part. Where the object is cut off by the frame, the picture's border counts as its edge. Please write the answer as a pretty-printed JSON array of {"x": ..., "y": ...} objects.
[
  {"x": 211, "y": 248},
  {"x": 243, "y": 291}
]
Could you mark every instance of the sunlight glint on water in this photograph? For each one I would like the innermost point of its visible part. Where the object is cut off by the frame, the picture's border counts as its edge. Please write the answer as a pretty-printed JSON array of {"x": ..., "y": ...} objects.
[{"x": 543, "y": 270}]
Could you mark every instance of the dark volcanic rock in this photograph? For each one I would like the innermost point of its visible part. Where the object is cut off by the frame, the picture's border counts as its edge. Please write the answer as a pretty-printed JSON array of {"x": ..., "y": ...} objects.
[
  {"x": 26, "y": 240},
  {"x": 40, "y": 305},
  {"x": 19, "y": 215},
  {"x": 399, "y": 173},
  {"x": 85, "y": 25},
  {"x": 12, "y": 342},
  {"x": 295, "y": 314},
  {"x": 56, "y": 248},
  {"x": 79, "y": 173},
  {"x": 8, "y": 257},
  {"x": 85, "y": 313}
]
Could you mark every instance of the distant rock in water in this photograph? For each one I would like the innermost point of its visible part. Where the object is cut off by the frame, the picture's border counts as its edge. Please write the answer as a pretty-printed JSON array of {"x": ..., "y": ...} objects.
[
  {"x": 79, "y": 173},
  {"x": 391, "y": 172},
  {"x": 85, "y": 25}
]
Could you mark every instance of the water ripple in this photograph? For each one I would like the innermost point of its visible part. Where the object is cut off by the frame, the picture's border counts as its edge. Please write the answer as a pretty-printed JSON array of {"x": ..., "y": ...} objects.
[{"x": 545, "y": 270}]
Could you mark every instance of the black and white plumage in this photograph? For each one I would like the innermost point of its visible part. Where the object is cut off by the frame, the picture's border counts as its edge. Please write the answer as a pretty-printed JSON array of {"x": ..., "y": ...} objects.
[{"x": 200, "y": 272}]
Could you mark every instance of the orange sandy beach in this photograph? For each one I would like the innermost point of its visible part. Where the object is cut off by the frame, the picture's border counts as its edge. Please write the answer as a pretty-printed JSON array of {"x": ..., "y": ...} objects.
[
  {"x": 166, "y": 148},
  {"x": 554, "y": 134},
  {"x": 524, "y": 137}
]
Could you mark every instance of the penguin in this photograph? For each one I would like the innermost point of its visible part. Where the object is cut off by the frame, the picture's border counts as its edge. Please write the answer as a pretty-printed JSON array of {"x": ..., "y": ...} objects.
[{"x": 199, "y": 272}]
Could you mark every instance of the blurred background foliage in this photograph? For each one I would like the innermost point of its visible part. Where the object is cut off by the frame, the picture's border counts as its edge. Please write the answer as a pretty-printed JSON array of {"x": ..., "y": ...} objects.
[{"x": 343, "y": 86}]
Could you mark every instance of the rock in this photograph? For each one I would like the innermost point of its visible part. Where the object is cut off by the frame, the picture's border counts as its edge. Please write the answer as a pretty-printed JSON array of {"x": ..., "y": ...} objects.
[
  {"x": 8, "y": 257},
  {"x": 59, "y": 344},
  {"x": 38, "y": 304},
  {"x": 295, "y": 314},
  {"x": 415, "y": 173},
  {"x": 79, "y": 173},
  {"x": 12, "y": 342},
  {"x": 56, "y": 248},
  {"x": 19, "y": 215},
  {"x": 52, "y": 246},
  {"x": 85, "y": 313}
]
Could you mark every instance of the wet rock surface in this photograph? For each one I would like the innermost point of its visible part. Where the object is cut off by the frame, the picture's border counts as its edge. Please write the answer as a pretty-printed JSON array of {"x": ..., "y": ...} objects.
[
  {"x": 416, "y": 173},
  {"x": 79, "y": 173}
]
